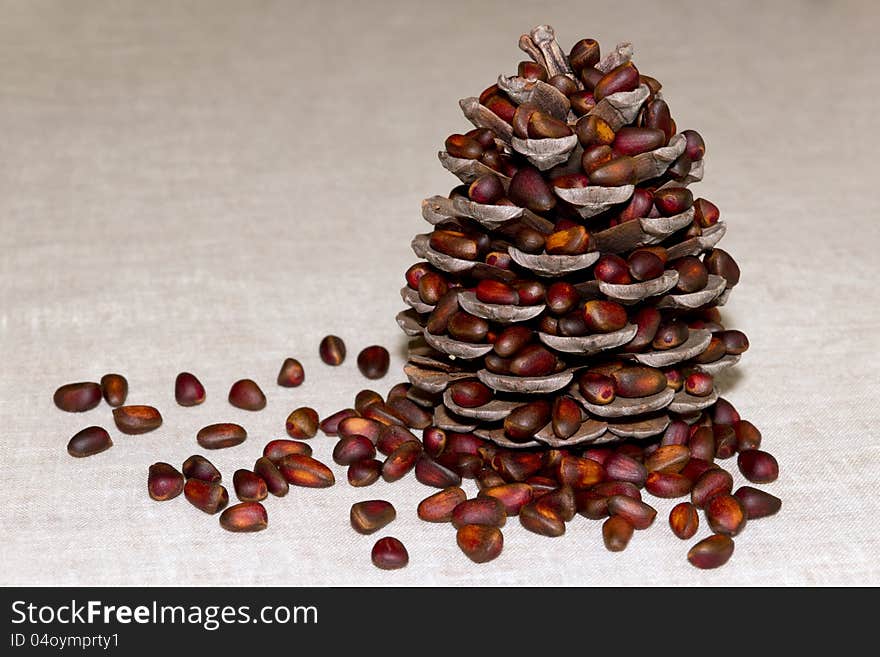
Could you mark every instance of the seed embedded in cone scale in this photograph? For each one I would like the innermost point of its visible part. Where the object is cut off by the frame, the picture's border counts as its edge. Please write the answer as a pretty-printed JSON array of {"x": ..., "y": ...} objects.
[
  {"x": 291, "y": 374},
  {"x": 564, "y": 84},
  {"x": 735, "y": 342},
  {"x": 221, "y": 435},
  {"x": 246, "y": 394},
  {"x": 301, "y": 470},
  {"x": 584, "y": 54},
  {"x": 670, "y": 334},
  {"x": 657, "y": 116},
  {"x": 699, "y": 384},
  {"x": 454, "y": 243},
  {"x": 245, "y": 517},
  {"x": 480, "y": 543},
  {"x": 528, "y": 240},
  {"x": 721, "y": 263},
  {"x": 644, "y": 265},
  {"x": 706, "y": 213},
  {"x": 511, "y": 340},
  {"x": 647, "y": 321},
  {"x": 205, "y": 496},
  {"x": 88, "y": 442},
  {"x": 249, "y": 486},
  {"x": 713, "y": 352},
  {"x": 684, "y": 520},
  {"x": 523, "y": 422},
  {"x": 533, "y": 360},
  {"x": 164, "y": 482},
  {"x": 570, "y": 241},
  {"x": 616, "y": 533},
  {"x": 614, "y": 173},
  {"x": 135, "y": 420},
  {"x": 590, "y": 76},
  {"x": 389, "y": 554},
  {"x": 562, "y": 297},
  {"x": 115, "y": 389},
  {"x": 302, "y": 423},
  {"x": 712, "y": 552},
  {"x": 496, "y": 292},
  {"x": 444, "y": 308},
  {"x": 188, "y": 390},
  {"x": 638, "y": 381},
  {"x": 543, "y": 126},
  {"x": 594, "y": 157},
  {"x": 530, "y": 292},
  {"x": 622, "y": 78},
  {"x": 531, "y": 71},
  {"x": 633, "y": 141},
  {"x": 612, "y": 269},
  {"x": 486, "y": 189},
  {"x": 470, "y": 393},
  {"x": 695, "y": 147},
  {"x": 370, "y": 516},
  {"x": 596, "y": 388},
  {"x": 673, "y": 200},
  {"x": 692, "y": 274},
  {"x": 604, "y": 316},
  {"x": 439, "y": 506},
  {"x": 528, "y": 189},
  {"x": 566, "y": 416},
  {"x": 467, "y": 328},
  {"x": 571, "y": 181},
  {"x": 432, "y": 288},
  {"x": 78, "y": 397},
  {"x": 462, "y": 146},
  {"x": 332, "y": 349}
]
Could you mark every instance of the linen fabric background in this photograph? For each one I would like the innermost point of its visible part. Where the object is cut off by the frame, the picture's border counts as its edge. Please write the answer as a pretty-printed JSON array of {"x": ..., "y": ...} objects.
[{"x": 214, "y": 186}]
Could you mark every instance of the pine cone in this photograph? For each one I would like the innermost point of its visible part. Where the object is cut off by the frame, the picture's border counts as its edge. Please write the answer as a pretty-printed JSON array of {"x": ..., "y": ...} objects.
[{"x": 568, "y": 292}]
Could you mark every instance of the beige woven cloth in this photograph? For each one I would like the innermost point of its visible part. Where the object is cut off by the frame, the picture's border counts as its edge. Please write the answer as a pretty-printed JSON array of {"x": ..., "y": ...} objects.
[{"x": 213, "y": 186}]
